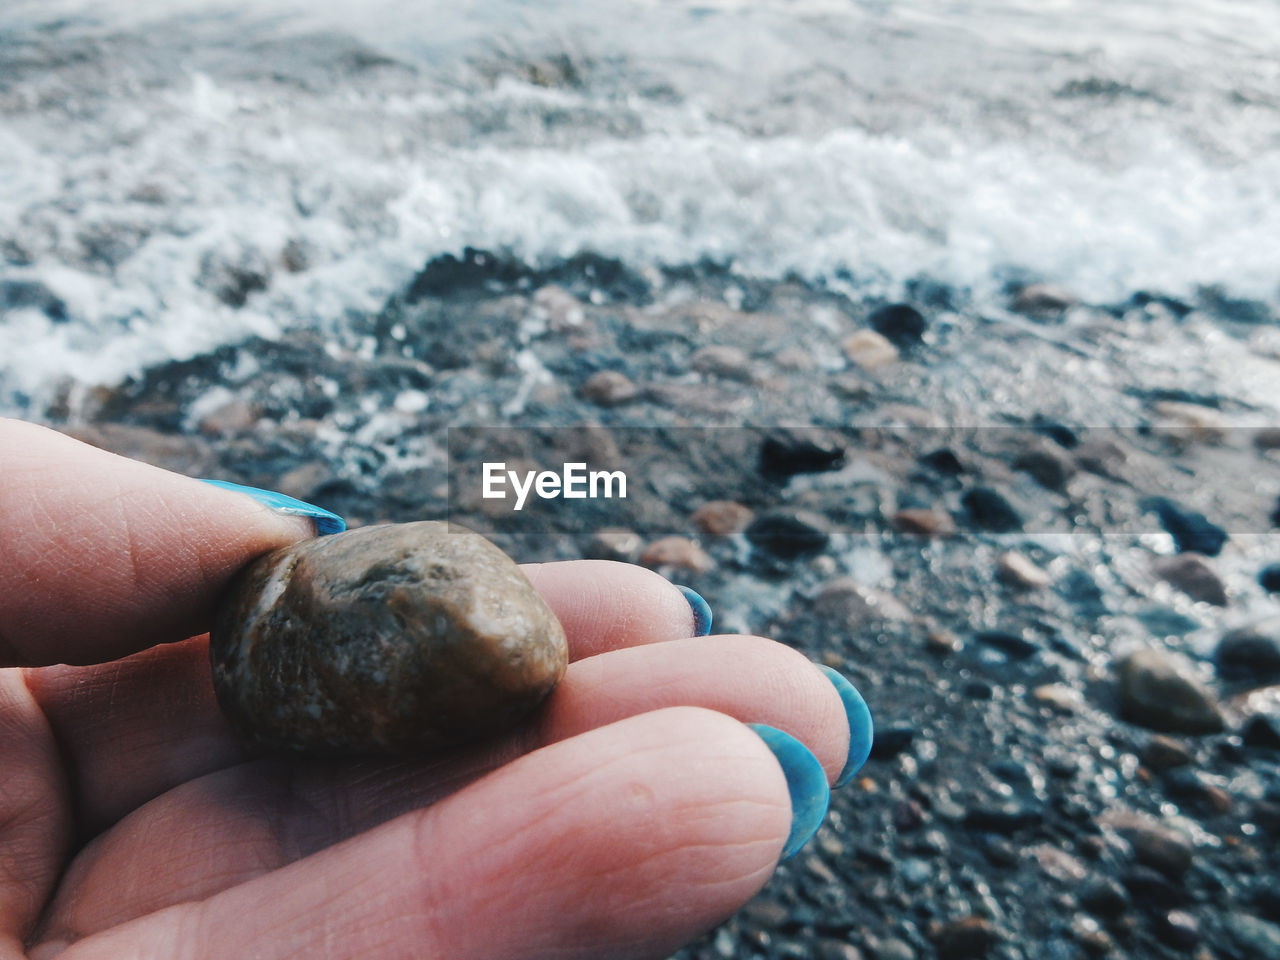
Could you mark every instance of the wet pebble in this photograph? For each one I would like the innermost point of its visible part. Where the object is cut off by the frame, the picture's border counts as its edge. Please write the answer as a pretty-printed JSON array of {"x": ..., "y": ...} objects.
[
  {"x": 1159, "y": 690},
  {"x": 788, "y": 535},
  {"x": 1179, "y": 930},
  {"x": 989, "y": 510},
  {"x": 1192, "y": 532},
  {"x": 868, "y": 349},
  {"x": 1269, "y": 578},
  {"x": 390, "y": 639},
  {"x": 1191, "y": 573},
  {"x": 968, "y": 938},
  {"x": 1250, "y": 654},
  {"x": 721, "y": 518},
  {"x": 1020, "y": 572},
  {"x": 900, "y": 323},
  {"x": 609, "y": 388},
  {"x": 680, "y": 553}
]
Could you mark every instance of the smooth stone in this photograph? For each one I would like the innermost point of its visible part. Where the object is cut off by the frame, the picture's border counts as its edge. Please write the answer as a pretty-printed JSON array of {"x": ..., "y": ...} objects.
[
  {"x": 989, "y": 510},
  {"x": 1159, "y": 690},
  {"x": 1019, "y": 571},
  {"x": 1191, "y": 574},
  {"x": 968, "y": 938},
  {"x": 900, "y": 323},
  {"x": 609, "y": 388},
  {"x": 679, "y": 552},
  {"x": 386, "y": 639},
  {"x": 869, "y": 349},
  {"x": 722, "y": 518},
  {"x": 1269, "y": 578},
  {"x": 1250, "y": 654},
  {"x": 1192, "y": 532}
]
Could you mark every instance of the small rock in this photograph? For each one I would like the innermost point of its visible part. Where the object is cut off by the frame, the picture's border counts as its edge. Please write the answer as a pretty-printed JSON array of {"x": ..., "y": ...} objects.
[
  {"x": 1157, "y": 846},
  {"x": 1003, "y": 818},
  {"x": 1096, "y": 941},
  {"x": 1151, "y": 888},
  {"x": 869, "y": 349},
  {"x": 942, "y": 642},
  {"x": 1012, "y": 645},
  {"x": 1268, "y": 438},
  {"x": 1250, "y": 654},
  {"x": 891, "y": 740},
  {"x": 615, "y": 543},
  {"x": 1269, "y": 578},
  {"x": 385, "y": 639},
  {"x": 235, "y": 416},
  {"x": 900, "y": 323},
  {"x": 837, "y": 950},
  {"x": 924, "y": 522},
  {"x": 1018, "y": 571},
  {"x": 1164, "y": 753},
  {"x": 1103, "y": 896},
  {"x": 1191, "y": 573},
  {"x": 1059, "y": 696},
  {"x": 794, "y": 359},
  {"x": 679, "y": 552},
  {"x": 1261, "y": 732},
  {"x": 1159, "y": 690},
  {"x": 989, "y": 510},
  {"x": 968, "y": 938},
  {"x": 1049, "y": 469},
  {"x": 1059, "y": 864},
  {"x": 1192, "y": 532},
  {"x": 943, "y": 461},
  {"x": 788, "y": 535},
  {"x": 232, "y": 275},
  {"x": 609, "y": 388},
  {"x": 784, "y": 455},
  {"x": 1042, "y": 300},
  {"x": 847, "y": 600},
  {"x": 564, "y": 311},
  {"x": 722, "y": 518},
  {"x": 908, "y": 815},
  {"x": 1179, "y": 930},
  {"x": 1189, "y": 422},
  {"x": 722, "y": 360}
]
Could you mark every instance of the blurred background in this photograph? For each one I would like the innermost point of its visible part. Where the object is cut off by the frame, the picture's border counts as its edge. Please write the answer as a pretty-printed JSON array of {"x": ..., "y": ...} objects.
[{"x": 996, "y": 282}]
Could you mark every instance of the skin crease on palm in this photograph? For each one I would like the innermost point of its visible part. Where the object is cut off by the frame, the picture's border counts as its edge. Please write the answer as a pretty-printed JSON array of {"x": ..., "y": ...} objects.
[{"x": 635, "y": 812}]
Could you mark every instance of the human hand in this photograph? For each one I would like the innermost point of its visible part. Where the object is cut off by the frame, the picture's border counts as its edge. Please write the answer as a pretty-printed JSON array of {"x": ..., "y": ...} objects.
[{"x": 636, "y": 811}]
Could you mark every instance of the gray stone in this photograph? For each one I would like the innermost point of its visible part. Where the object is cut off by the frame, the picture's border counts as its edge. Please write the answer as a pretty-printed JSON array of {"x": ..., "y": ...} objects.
[
  {"x": 1191, "y": 574},
  {"x": 1250, "y": 654},
  {"x": 1159, "y": 690},
  {"x": 386, "y": 639}
]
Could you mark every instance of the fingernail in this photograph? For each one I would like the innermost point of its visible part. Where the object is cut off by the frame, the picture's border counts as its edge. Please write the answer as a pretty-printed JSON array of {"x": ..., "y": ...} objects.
[
  {"x": 325, "y": 521},
  {"x": 861, "y": 728},
  {"x": 701, "y": 611},
  {"x": 806, "y": 782}
]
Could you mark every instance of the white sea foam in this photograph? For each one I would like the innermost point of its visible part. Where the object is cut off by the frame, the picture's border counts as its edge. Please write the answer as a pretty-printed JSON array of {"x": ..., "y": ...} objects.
[{"x": 877, "y": 142}]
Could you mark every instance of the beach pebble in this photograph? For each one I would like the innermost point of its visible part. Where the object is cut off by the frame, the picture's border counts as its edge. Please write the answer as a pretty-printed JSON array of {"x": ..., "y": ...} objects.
[
  {"x": 722, "y": 518},
  {"x": 868, "y": 349},
  {"x": 900, "y": 323},
  {"x": 609, "y": 388},
  {"x": 1191, "y": 574},
  {"x": 386, "y": 639},
  {"x": 680, "y": 552},
  {"x": 1042, "y": 300},
  {"x": 1159, "y": 690},
  {"x": 1018, "y": 571},
  {"x": 1250, "y": 654}
]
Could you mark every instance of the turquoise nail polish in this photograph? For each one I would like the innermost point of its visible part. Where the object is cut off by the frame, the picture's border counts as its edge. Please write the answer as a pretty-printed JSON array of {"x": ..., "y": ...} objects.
[
  {"x": 861, "y": 728},
  {"x": 806, "y": 782},
  {"x": 701, "y": 611},
  {"x": 325, "y": 521}
]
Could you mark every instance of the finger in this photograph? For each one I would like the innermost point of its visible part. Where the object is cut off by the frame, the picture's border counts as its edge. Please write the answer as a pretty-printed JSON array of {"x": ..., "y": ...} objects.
[
  {"x": 103, "y": 556},
  {"x": 134, "y": 728},
  {"x": 35, "y": 824},
  {"x": 623, "y": 842},
  {"x": 239, "y": 822}
]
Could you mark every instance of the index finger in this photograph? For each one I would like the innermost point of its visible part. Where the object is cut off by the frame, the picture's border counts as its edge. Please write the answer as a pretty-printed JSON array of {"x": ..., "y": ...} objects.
[{"x": 102, "y": 556}]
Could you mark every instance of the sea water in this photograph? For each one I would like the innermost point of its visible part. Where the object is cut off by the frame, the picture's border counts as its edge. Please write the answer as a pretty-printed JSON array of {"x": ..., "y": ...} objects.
[{"x": 330, "y": 149}]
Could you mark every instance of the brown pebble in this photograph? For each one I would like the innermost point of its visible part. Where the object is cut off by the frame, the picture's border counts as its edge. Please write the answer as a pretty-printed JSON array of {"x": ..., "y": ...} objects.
[
  {"x": 721, "y": 360},
  {"x": 722, "y": 518},
  {"x": 386, "y": 639},
  {"x": 615, "y": 543},
  {"x": 1018, "y": 571},
  {"x": 968, "y": 938},
  {"x": 925, "y": 522},
  {"x": 1165, "y": 753},
  {"x": 677, "y": 552},
  {"x": 869, "y": 350},
  {"x": 1191, "y": 573},
  {"x": 609, "y": 388}
]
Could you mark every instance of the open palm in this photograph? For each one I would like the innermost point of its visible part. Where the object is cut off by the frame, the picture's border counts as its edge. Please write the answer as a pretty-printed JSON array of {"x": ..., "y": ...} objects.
[{"x": 635, "y": 812}]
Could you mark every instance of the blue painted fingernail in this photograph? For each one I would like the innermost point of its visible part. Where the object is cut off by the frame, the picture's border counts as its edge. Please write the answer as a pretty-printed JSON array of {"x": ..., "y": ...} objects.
[
  {"x": 701, "y": 611},
  {"x": 325, "y": 521},
  {"x": 806, "y": 782},
  {"x": 861, "y": 728}
]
